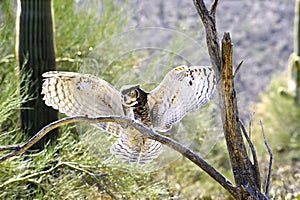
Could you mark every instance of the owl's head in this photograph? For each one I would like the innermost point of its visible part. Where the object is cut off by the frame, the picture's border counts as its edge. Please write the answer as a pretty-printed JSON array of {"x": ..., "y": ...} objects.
[{"x": 133, "y": 96}]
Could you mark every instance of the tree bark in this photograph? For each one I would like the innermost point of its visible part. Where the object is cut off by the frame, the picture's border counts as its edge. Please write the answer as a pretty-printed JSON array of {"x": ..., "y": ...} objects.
[{"x": 36, "y": 54}]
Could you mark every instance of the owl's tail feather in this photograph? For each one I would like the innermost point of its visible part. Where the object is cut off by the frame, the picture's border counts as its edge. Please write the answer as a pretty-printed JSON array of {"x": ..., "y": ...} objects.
[{"x": 140, "y": 151}]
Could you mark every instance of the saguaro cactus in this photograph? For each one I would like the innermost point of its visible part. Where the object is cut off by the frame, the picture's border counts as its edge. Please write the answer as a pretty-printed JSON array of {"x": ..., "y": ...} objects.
[
  {"x": 294, "y": 62},
  {"x": 36, "y": 55}
]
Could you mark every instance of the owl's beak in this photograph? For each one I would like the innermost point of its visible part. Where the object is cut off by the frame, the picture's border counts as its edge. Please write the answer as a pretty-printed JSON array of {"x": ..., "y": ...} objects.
[{"x": 128, "y": 102}]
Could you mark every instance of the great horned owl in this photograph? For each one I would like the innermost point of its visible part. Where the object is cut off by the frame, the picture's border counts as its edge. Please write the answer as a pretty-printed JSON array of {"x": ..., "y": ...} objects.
[
  {"x": 135, "y": 104},
  {"x": 183, "y": 90}
]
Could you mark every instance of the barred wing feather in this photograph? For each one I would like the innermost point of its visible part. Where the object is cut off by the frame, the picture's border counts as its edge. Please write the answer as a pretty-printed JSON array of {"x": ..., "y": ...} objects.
[
  {"x": 183, "y": 90},
  {"x": 81, "y": 94}
]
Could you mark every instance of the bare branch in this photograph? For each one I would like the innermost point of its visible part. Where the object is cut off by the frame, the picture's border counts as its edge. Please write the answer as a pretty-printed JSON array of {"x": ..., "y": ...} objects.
[
  {"x": 255, "y": 165},
  {"x": 10, "y": 147},
  {"x": 201, "y": 8},
  {"x": 250, "y": 143},
  {"x": 268, "y": 179},
  {"x": 213, "y": 8},
  {"x": 35, "y": 138},
  {"x": 147, "y": 132},
  {"x": 209, "y": 21},
  {"x": 237, "y": 69},
  {"x": 249, "y": 131}
]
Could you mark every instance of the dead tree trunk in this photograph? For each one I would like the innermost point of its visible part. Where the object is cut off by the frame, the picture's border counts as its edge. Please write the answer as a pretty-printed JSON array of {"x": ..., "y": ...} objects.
[
  {"x": 246, "y": 173},
  {"x": 36, "y": 55}
]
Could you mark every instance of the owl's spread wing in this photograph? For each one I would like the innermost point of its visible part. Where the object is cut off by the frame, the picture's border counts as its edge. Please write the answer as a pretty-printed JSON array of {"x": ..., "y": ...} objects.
[
  {"x": 184, "y": 89},
  {"x": 81, "y": 94}
]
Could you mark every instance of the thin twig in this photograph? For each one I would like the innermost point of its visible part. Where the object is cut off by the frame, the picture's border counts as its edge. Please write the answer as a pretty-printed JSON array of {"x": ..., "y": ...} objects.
[
  {"x": 250, "y": 128},
  {"x": 213, "y": 8},
  {"x": 10, "y": 147},
  {"x": 39, "y": 174},
  {"x": 250, "y": 131},
  {"x": 237, "y": 69},
  {"x": 268, "y": 179},
  {"x": 253, "y": 152},
  {"x": 255, "y": 165},
  {"x": 147, "y": 132}
]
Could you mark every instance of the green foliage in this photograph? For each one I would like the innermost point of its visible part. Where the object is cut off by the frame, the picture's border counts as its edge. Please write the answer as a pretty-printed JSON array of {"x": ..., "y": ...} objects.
[
  {"x": 68, "y": 171},
  {"x": 80, "y": 28},
  {"x": 280, "y": 117},
  {"x": 186, "y": 181}
]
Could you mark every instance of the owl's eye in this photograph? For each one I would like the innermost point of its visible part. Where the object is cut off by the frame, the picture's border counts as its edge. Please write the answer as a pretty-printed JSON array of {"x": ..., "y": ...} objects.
[{"x": 133, "y": 94}]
